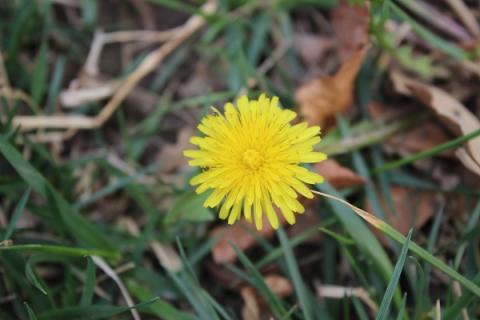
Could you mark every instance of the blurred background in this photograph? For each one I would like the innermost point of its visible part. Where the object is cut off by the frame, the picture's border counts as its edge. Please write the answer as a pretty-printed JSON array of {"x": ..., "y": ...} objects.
[{"x": 98, "y": 100}]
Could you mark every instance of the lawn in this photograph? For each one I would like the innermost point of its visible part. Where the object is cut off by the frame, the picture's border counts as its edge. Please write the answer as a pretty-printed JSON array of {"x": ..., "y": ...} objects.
[{"x": 130, "y": 187}]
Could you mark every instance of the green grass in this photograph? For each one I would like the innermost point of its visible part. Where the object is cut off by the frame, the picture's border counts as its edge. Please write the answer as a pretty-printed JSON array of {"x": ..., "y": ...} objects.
[{"x": 65, "y": 203}]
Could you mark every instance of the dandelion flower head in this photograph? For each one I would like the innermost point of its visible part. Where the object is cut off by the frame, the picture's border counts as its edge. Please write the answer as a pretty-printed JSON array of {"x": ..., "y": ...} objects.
[{"x": 250, "y": 158}]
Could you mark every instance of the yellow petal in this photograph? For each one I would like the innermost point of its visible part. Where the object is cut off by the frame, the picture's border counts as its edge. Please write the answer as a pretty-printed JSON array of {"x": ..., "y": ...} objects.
[
  {"x": 287, "y": 213},
  {"x": 235, "y": 213},
  {"x": 215, "y": 198},
  {"x": 247, "y": 211},
  {"x": 257, "y": 211},
  {"x": 271, "y": 215},
  {"x": 313, "y": 157}
]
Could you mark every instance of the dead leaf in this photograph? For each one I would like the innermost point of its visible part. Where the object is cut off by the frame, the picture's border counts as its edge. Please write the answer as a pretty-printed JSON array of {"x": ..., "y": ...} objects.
[
  {"x": 322, "y": 98},
  {"x": 337, "y": 175},
  {"x": 448, "y": 109},
  {"x": 415, "y": 139},
  {"x": 421, "y": 138},
  {"x": 171, "y": 156},
  {"x": 279, "y": 285},
  {"x": 311, "y": 47},
  {"x": 240, "y": 234},
  {"x": 350, "y": 25},
  {"x": 254, "y": 303},
  {"x": 251, "y": 308},
  {"x": 413, "y": 208},
  {"x": 380, "y": 112},
  {"x": 467, "y": 160}
]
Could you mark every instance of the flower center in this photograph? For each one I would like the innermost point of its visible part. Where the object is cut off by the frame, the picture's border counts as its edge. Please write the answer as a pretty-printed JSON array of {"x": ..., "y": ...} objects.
[{"x": 253, "y": 159}]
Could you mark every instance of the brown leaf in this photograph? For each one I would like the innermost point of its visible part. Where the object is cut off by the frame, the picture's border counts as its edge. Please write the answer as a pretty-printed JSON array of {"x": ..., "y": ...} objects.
[
  {"x": 416, "y": 139},
  {"x": 338, "y": 175},
  {"x": 254, "y": 303},
  {"x": 350, "y": 24},
  {"x": 321, "y": 98},
  {"x": 171, "y": 156},
  {"x": 413, "y": 208},
  {"x": 448, "y": 109},
  {"x": 251, "y": 308},
  {"x": 421, "y": 138},
  {"x": 241, "y": 234},
  {"x": 279, "y": 285}
]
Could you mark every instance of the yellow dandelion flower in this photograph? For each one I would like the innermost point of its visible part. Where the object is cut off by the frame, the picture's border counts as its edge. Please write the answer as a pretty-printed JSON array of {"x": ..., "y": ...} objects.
[{"x": 251, "y": 157}]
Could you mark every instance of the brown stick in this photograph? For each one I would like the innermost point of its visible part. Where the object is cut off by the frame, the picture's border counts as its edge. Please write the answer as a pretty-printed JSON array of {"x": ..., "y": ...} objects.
[{"x": 149, "y": 64}]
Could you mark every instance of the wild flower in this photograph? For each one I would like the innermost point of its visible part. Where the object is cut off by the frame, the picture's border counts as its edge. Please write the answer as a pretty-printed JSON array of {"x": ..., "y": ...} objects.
[{"x": 251, "y": 158}]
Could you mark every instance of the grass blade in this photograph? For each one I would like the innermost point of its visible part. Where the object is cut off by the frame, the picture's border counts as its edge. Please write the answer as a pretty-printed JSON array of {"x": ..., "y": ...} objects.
[
  {"x": 79, "y": 227},
  {"x": 402, "y": 309},
  {"x": 161, "y": 308},
  {"x": 90, "y": 312},
  {"x": 456, "y": 309},
  {"x": 387, "y": 298},
  {"x": 38, "y": 80},
  {"x": 298, "y": 283},
  {"x": 16, "y": 215},
  {"x": 89, "y": 287},
  {"x": 257, "y": 280},
  {"x": 429, "y": 152},
  {"x": 55, "y": 84},
  {"x": 415, "y": 248},
  {"x": 362, "y": 236},
  {"x": 194, "y": 295},
  {"x": 31, "y": 315},
  {"x": 60, "y": 250},
  {"x": 32, "y": 275}
]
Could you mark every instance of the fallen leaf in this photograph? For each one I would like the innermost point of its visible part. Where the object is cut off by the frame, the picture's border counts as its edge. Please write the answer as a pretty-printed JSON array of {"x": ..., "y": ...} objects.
[
  {"x": 171, "y": 156},
  {"x": 322, "y": 98},
  {"x": 380, "y": 112},
  {"x": 311, "y": 47},
  {"x": 421, "y": 138},
  {"x": 241, "y": 234},
  {"x": 467, "y": 160},
  {"x": 415, "y": 139},
  {"x": 413, "y": 208},
  {"x": 350, "y": 25},
  {"x": 448, "y": 109},
  {"x": 279, "y": 285},
  {"x": 337, "y": 175},
  {"x": 254, "y": 303},
  {"x": 251, "y": 308}
]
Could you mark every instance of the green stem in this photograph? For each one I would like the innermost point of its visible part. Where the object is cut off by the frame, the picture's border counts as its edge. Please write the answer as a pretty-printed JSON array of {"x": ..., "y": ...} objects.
[
  {"x": 428, "y": 257},
  {"x": 397, "y": 236},
  {"x": 430, "y": 152},
  {"x": 60, "y": 250},
  {"x": 373, "y": 136}
]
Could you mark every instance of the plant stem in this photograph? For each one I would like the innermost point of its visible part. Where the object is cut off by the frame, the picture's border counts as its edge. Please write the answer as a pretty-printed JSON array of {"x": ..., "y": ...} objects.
[
  {"x": 397, "y": 236},
  {"x": 430, "y": 152}
]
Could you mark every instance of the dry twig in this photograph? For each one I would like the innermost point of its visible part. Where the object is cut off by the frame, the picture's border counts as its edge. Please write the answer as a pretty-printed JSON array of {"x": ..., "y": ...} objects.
[
  {"x": 339, "y": 292},
  {"x": 149, "y": 64},
  {"x": 466, "y": 15},
  {"x": 113, "y": 275}
]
